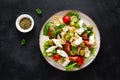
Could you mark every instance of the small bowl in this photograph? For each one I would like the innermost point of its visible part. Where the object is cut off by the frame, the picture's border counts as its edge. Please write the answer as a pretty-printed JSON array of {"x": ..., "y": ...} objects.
[{"x": 20, "y": 18}]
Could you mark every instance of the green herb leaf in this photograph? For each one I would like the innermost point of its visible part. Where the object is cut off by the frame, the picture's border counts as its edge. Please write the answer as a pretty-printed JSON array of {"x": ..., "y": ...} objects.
[
  {"x": 51, "y": 53},
  {"x": 84, "y": 26},
  {"x": 74, "y": 49},
  {"x": 92, "y": 50},
  {"x": 88, "y": 32},
  {"x": 55, "y": 32},
  {"x": 68, "y": 36},
  {"x": 54, "y": 51},
  {"x": 77, "y": 25},
  {"x": 73, "y": 13},
  {"x": 46, "y": 29},
  {"x": 69, "y": 67},
  {"x": 38, "y": 11},
  {"x": 61, "y": 26},
  {"x": 23, "y": 42},
  {"x": 45, "y": 47}
]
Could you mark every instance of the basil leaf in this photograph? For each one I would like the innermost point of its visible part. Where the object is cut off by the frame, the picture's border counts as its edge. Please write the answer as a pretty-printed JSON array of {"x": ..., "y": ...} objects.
[
  {"x": 23, "y": 42},
  {"x": 46, "y": 29},
  {"x": 61, "y": 26},
  {"x": 45, "y": 47},
  {"x": 74, "y": 49},
  {"x": 84, "y": 26},
  {"x": 77, "y": 25},
  {"x": 55, "y": 32},
  {"x": 69, "y": 67},
  {"x": 38, "y": 11},
  {"x": 73, "y": 13},
  {"x": 92, "y": 50},
  {"x": 68, "y": 36},
  {"x": 88, "y": 32}
]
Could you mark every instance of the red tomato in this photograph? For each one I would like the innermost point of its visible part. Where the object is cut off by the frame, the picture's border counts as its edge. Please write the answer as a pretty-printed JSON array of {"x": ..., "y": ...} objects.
[
  {"x": 56, "y": 57},
  {"x": 87, "y": 43},
  {"x": 50, "y": 33},
  {"x": 73, "y": 59},
  {"x": 84, "y": 36},
  {"x": 80, "y": 61},
  {"x": 67, "y": 47},
  {"x": 66, "y": 19}
]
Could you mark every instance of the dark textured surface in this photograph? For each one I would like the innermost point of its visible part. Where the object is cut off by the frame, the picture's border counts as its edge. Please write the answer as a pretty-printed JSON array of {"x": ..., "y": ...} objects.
[{"x": 27, "y": 63}]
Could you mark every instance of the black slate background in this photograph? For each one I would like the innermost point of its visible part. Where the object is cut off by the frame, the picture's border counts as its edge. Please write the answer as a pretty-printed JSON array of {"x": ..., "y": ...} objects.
[{"x": 27, "y": 63}]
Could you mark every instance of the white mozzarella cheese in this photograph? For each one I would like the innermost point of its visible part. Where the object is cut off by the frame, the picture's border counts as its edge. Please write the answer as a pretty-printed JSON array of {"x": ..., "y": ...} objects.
[
  {"x": 66, "y": 62},
  {"x": 80, "y": 31},
  {"x": 80, "y": 23},
  {"x": 65, "y": 29},
  {"x": 50, "y": 49},
  {"x": 57, "y": 43},
  {"x": 78, "y": 41},
  {"x": 87, "y": 53},
  {"x": 92, "y": 39},
  {"x": 62, "y": 53}
]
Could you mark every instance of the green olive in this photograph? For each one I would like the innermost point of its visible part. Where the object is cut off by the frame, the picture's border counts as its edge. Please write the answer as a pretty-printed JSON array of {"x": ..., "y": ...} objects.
[
  {"x": 90, "y": 27},
  {"x": 67, "y": 37},
  {"x": 72, "y": 53},
  {"x": 49, "y": 54},
  {"x": 79, "y": 48},
  {"x": 51, "y": 42},
  {"x": 82, "y": 52},
  {"x": 82, "y": 44},
  {"x": 72, "y": 24}
]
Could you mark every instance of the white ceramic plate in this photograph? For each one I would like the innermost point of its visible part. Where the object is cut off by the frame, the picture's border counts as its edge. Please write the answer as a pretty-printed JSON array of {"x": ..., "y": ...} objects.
[{"x": 85, "y": 19}]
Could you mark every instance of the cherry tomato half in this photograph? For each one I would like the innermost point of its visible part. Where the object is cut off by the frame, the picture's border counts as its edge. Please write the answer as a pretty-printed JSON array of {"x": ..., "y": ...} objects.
[
  {"x": 87, "y": 43},
  {"x": 80, "y": 61},
  {"x": 84, "y": 36},
  {"x": 73, "y": 58},
  {"x": 50, "y": 33},
  {"x": 67, "y": 47},
  {"x": 66, "y": 19},
  {"x": 56, "y": 57}
]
